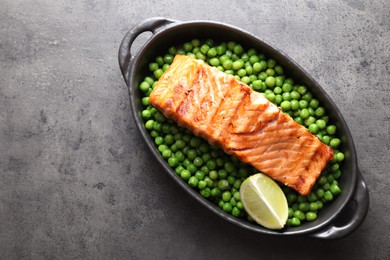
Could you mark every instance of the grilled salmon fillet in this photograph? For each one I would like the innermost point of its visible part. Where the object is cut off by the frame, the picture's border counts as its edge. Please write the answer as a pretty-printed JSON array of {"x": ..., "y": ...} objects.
[{"x": 226, "y": 112}]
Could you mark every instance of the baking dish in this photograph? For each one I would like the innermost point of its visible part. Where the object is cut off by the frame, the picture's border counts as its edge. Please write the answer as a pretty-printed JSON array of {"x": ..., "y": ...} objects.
[{"x": 336, "y": 220}]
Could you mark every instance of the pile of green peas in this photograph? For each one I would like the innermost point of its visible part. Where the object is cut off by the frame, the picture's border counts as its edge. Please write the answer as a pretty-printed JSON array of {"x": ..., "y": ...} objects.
[{"x": 216, "y": 175}]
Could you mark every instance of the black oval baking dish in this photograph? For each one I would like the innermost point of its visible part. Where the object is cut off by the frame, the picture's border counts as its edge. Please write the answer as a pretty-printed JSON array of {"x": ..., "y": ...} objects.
[{"x": 336, "y": 220}]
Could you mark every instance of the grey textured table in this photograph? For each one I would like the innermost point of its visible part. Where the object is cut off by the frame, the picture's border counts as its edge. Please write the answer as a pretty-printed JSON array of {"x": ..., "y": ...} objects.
[{"x": 76, "y": 181}]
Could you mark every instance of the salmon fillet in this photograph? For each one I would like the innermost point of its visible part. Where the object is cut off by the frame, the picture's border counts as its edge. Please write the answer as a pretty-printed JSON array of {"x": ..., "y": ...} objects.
[{"x": 226, "y": 112}]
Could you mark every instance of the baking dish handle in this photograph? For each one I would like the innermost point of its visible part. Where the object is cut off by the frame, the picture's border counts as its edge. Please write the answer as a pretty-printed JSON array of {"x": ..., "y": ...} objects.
[
  {"x": 124, "y": 56},
  {"x": 356, "y": 210}
]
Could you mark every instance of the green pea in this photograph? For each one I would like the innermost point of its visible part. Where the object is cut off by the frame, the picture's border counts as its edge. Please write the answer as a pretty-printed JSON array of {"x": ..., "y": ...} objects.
[
  {"x": 313, "y": 128},
  {"x": 304, "y": 114},
  {"x": 239, "y": 205},
  {"x": 220, "y": 162},
  {"x": 236, "y": 212},
  {"x": 223, "y": 184},
  {"x": 159, "y": 140},
  {"x": 285, "y": 105},
  {"x": 310, "y": 120},
  {"x": 311, "y": 111},
  {"x": 322, "y": 180},
  {"x": 340, "y": 156},
  {"x": 229, "y": 167},
  {"x": 314, "y": 103},
  {"x": 298, "y": 120},
  {"x": 304, "y": 206},
  {"x": 303, "y": 104},
  {"x": 326, "y": 187},
  {"x": 291, "y": 197},
  {"x": 270, "y": 72},
  {"x": 320, "y": 111},
  {"x": 254, "y": 59},
  {"x": 295, "y": 105},
  {"x": 257, "y": 67},
  {"x": 312, "y": 197},
  {"x": 221, "y": 49},
  {"x": 216, "y": 192},
  {"x": 279, "y": 70},
  {"x": 270, "y": 97},
  {"x": 308, "y": 96},
  {"x": 193, "y": 181},
  {"x": 206, "y": 192},
  {"x": 321, "y": 124},
  {"x": 222, "y": 174},
  {"x": 302, "y": 90},
  {"x": 302, "y": 198},
  {"x": 186, "y": 162},
  {"x": 173, "y": 162},
  {"x": 187, "y": 46},
  {"x": 158, "y": 73},
  {"x": 231, "y": 180},
  {"x": 153, "y": 66},
  {"x": 263, "y": 76},
  {"x": 313, "y": 206},
  {"x": 287, "y": 87},
  {"x": 179, "y": 169},
  {"x": 295, "y": 95},
  {"x": 214, "y": 62},
  {"x": 198, "y": 161},
  {"x": 238, "y": 64},
  {"x": 199, "y": 55},
  {"x": 212, "y": 52},
  {"x": 160, "y": 60},
  {"x": 211, "y": 165},
  {"x": 310, "y": 216},
  {"x": 335, "y": 142},
  {"x": 238, "y": 49},
  {"x": 337, "y": 174},
  {"x": 209, "y": 182},
  {"x": 191, "y": 168},
  {"x": 331, "y": 129},
  {"x": 271, "y": 63},
  {"x": 146, "y": 114},
  {"x": 335, "y": 189},
  {"x": 300, "y": 215},
  {"x": 145, "y": 101},
  {"x": 185, "y": 175},
  {"x": 295, "y": 221},
  {"x": 144, "y": 86},
  {"x": 149, "y": 124},
  {"x": 202, "y": 185},
  {"x": 228, "y": 64},
  {"x": 204, "y": 48},
  {"x": 226, "y": 196},
  {"x": 206, "y": 157},
  {"x": 168, "y": 58},
  {"x": 227, "y": 207},
  {"x": 328, "y": 196},
  {"x": 270, "y": 81},
  {"x": 199, "y": 175},
  {"x": 278, "y": 99},
  {"x": 237, "y": 184},
  {"x": 325, "y": 139},
  {"x": 330, "y": 178},
  {"x": 278, "y": 90},
  {"x": 257, "y": 85},
  {"x": 241, "y": 72}
]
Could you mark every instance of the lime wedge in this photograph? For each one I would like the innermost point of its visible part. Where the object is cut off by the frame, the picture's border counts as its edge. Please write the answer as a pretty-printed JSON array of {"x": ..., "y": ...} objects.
[{"x": 264, "y": 201}]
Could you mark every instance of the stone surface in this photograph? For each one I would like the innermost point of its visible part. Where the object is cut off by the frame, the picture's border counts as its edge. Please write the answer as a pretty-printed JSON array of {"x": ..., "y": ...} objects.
[{"x": 76, "y": 181}]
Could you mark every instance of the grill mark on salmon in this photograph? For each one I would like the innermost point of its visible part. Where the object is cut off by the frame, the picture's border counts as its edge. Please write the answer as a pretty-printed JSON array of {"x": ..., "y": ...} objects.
[{"x": 226, "y": 112}]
